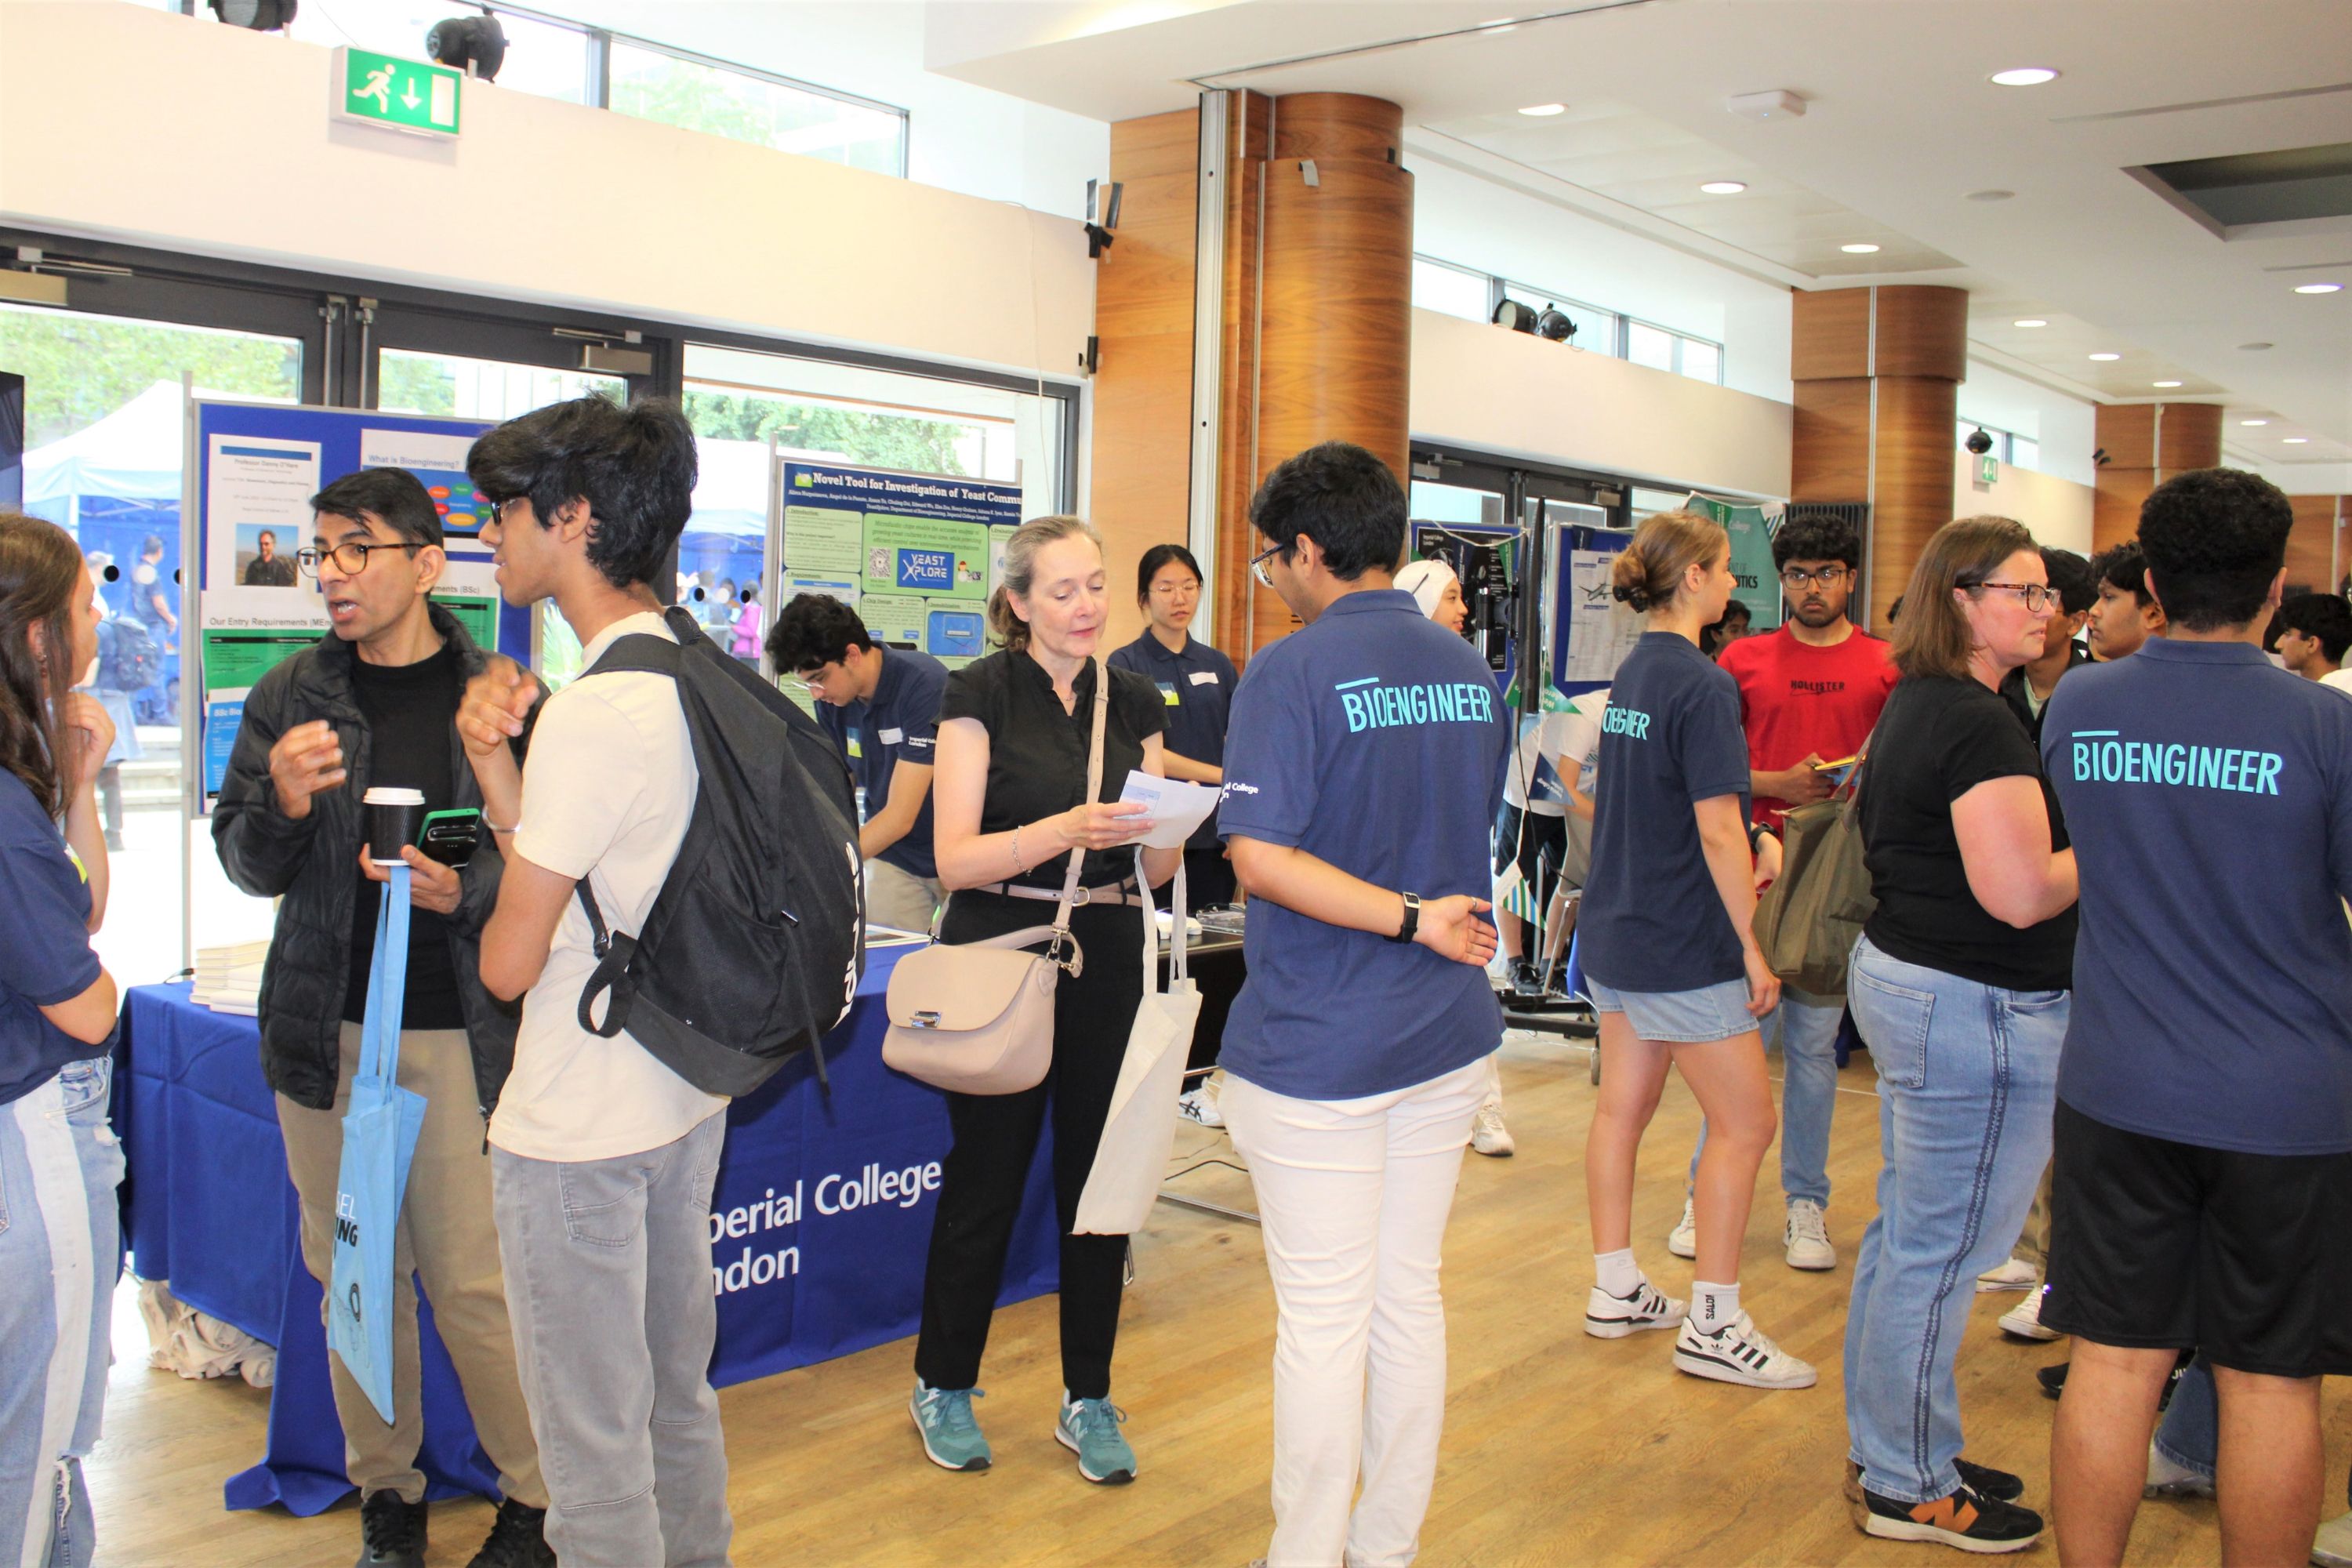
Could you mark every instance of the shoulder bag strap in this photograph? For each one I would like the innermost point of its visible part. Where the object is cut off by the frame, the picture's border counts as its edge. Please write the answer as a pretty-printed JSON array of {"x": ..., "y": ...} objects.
[{"x": 1094, "y": 787}]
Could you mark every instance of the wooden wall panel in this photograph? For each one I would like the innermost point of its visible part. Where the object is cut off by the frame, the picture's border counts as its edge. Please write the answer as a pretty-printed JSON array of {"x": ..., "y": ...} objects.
[
  {"x": 1829, "y": 452},
  {"x": 2126, "y": 432},
  {"x": 1829, "y": 338},
  {"x": 1143, "y": 384},
  {"x": 1237, "y": 603},
  {"x": 2311, "y": 546},
  {"x": 2189, "y": 437},
  {"x": 1913, "y": 496},
  {"x": 2114, "y": 505},
  {"x": 1921, "y": 329}
]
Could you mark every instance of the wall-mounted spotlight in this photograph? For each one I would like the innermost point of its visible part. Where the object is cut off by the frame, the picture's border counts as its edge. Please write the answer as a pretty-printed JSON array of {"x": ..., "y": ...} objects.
[
  {"x": 1517, "y": 316},
  {"x": 2099, "y": 458},
  {"x": 475, "y": 44},
  {"x": 1098, "y": 235},
  {"x": 260, "y": 16}
]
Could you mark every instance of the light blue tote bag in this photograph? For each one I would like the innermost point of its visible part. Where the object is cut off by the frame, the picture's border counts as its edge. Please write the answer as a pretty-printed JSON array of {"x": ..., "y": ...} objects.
[{"x": 379, "y": 1138}]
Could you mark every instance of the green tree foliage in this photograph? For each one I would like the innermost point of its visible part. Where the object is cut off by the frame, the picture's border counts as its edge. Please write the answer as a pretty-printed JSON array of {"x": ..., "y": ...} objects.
[
  {"x": 78, "y": 369},
  {"x": 884, "y": 440}
]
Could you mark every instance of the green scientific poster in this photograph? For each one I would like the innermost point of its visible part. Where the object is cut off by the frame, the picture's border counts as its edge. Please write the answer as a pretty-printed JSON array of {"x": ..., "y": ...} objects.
[
  {"x": 919, "y": 551},
  {"x": 1751, "y": 532}
]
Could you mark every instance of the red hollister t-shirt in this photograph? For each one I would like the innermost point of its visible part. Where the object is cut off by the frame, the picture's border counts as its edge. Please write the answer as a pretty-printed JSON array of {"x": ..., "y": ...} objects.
[{"x": 1797, "y": 700}]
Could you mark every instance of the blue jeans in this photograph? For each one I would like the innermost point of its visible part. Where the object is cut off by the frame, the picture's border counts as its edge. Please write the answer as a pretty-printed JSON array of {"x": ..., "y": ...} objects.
[
  {"x": 59, "y": 1164},
  {"x": 1968, "y": 1080},
  {"x": 2190, "y": 1433},
  {"x": 1807, "y": 1029}
]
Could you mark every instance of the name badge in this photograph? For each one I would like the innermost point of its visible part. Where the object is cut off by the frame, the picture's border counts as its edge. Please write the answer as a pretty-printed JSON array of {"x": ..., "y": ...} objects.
[
  {"x": 855, "y": 748},
  {"x": 1168, "y": 692},
  {"x": 1205, "y": 677},
  {"x": 890, "y": 737}
]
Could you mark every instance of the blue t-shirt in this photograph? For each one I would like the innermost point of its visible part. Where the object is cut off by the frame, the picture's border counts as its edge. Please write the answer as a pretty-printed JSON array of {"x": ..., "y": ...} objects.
[
  {"x": 2210, "y": 798},
  {"x": 1652, "y": 919},
  {"x": 1372, "y": 739},
  {"x": 1197, "y": 685},
  {"x": 900, "y": 723},
  {"x": 47, "y": 958}
]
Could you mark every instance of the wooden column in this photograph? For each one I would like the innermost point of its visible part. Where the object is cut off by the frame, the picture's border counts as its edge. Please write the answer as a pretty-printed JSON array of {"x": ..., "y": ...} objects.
[
  {"x": 1877, "y": 374},
  {"x": 2315, "y": 560},
  {"x": 2146, "y": 444},
  {"x": 1143, "y": 381},
  {"x": 1315, "y": 326}
]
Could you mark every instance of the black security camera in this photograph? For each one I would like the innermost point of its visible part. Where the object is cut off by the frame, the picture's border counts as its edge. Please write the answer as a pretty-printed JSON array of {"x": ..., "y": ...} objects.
[
  {"x": 475, "y": 43},
  {"x": 1979, "y": 442}
]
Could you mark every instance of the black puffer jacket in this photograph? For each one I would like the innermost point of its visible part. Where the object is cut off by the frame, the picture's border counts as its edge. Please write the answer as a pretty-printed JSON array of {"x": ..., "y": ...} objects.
[{"x": 312, "y": 863}]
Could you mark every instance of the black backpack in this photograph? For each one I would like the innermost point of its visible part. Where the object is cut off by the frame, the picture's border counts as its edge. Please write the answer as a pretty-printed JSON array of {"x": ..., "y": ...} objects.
[
  {"x": 128, "y": 658},
  {"x": 756, "y": 942}
]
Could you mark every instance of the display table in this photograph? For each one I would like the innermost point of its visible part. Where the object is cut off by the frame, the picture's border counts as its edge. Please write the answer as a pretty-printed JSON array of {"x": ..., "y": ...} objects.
[{"x": 821, "y": 1251}]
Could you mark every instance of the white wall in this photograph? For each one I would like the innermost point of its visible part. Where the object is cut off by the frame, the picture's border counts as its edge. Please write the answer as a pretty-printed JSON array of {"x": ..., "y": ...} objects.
[
  {"x": 2061, "y": 425},
  {"x": 131, "y": 124},
  {"x": 1462, "y": 218},
  {"x": 2057, "y": 512},
  {"x": 1516, "y": 396}
]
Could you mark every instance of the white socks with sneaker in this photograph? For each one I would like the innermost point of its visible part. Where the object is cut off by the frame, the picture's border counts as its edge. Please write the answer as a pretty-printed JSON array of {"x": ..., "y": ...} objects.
[
  {"x": 1714, "y": 1308},
  {"x": 1615, "y": 1272}
]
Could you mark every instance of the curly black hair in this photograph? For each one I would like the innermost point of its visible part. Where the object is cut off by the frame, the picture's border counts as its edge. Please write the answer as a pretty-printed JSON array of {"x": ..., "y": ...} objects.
[
  {"x": 1817, "y": 539},
  {"x": 2323, "y": 615},
  {"x": 2071, "y": 575},
  {"x": 815, "y": 629},
  {"x": 634, "y": 466},
  {"x": 2122, "y": 568},
  {"x": 2214, "y": 540}
]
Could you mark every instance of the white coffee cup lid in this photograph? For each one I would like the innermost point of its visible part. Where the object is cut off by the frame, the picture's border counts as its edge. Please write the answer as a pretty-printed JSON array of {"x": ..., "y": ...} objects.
[{"x": 388, "y": 794}]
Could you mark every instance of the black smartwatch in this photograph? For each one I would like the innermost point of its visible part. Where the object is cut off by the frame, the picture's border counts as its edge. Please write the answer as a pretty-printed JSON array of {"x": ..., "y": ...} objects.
[{"x": 1411, "y": 917}]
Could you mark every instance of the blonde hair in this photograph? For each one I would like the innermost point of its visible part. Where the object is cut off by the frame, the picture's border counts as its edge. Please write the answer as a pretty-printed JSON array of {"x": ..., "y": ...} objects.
[
  {"x": 1650, "y": 572},
  {"x": 1005, "y": 624},
  {"x": 1933, "y": 636}
]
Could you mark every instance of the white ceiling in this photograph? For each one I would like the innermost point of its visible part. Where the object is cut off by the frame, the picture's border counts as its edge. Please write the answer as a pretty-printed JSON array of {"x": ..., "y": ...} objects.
[{"x": 1901, "y": 126}]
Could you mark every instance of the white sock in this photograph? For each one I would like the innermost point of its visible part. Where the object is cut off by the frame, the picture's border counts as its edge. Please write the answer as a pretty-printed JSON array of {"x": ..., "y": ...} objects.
[
  {"x": 1714, "y": 1308},
  {"x": 1616, "y": 1272}
]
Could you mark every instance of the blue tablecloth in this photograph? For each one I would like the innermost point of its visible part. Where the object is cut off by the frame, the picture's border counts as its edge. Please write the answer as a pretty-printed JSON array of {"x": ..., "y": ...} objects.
[{"x": 815, "y": 1260}]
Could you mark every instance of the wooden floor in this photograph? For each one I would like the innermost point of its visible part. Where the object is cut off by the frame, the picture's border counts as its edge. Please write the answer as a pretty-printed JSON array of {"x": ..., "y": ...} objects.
[{"x": 1558, "y": 1448}]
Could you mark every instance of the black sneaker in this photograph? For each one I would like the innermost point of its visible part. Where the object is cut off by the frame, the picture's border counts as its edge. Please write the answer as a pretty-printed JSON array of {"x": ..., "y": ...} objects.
[
  {"x": 1986, "y": 1481},
  {"x": 391, "y": 1532},
  {"x": 518, "y": 1539},
  {"x": 2053, "y": 1379},
  {"x": 1966, "y": 1519}
]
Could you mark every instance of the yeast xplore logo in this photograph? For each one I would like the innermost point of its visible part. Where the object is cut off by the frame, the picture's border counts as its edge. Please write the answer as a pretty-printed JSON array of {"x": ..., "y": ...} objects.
[
  {"x": 1369, "y": 705},
  {"x": 2105, "y": 756}
]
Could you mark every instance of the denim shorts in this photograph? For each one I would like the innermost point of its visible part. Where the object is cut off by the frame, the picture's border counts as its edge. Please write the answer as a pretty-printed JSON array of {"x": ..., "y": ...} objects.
[{"x": 1715, "y": 1012}]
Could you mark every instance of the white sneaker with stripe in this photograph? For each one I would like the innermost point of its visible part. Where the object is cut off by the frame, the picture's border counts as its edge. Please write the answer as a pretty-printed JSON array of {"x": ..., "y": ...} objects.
[
  {"x": 1608, "y": 1317},
  {"x": 1740, "y": 1352}
]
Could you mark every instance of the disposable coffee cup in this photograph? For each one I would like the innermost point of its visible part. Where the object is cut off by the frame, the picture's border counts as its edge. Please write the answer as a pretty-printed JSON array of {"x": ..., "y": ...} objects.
[{"x": 393, "y": 819}]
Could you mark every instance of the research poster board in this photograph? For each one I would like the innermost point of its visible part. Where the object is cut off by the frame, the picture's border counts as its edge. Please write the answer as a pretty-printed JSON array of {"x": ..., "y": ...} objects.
[
  {"x": 916, "y": 556},
  {"x": 1751, "y": 529},
  {"x": 1596, "y": 631},
  {"x": 256, "y": 467}
]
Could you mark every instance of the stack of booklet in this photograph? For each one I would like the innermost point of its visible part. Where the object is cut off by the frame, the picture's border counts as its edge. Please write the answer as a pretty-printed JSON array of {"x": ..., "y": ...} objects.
[{"x": 228, "y": 979}]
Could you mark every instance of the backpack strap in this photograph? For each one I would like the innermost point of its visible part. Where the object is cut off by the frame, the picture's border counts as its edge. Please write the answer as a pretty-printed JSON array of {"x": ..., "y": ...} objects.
[{"x": 642, "y": 653}]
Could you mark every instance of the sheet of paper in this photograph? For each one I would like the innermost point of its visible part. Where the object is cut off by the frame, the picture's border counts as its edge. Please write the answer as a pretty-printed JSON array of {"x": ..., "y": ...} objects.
[{"x": 1177, "y": 807}]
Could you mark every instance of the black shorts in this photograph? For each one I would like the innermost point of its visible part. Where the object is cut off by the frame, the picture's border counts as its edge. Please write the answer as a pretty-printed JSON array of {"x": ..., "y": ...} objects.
[
  {"x": 2162, "y": 1246},
  {"x": 1543, "y": 850}
]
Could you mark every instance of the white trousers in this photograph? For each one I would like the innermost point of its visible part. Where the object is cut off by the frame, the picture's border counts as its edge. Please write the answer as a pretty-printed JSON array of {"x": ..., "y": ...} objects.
[{"x": 1354, "y": 1196}]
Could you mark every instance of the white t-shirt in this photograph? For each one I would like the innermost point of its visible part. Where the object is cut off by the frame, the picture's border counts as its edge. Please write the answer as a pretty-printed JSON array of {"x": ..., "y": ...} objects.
[
  {"x": 605, "y": 795},
  {"x": 2341, "y": 680},
  {"x": 1571, "y": 737}
]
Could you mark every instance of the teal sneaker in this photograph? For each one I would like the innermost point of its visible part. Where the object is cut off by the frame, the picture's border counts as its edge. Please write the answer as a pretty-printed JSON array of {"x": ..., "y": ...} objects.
[
  {"x": 951, "y": 1438},
  {"x": 1089, "y": 1428}
]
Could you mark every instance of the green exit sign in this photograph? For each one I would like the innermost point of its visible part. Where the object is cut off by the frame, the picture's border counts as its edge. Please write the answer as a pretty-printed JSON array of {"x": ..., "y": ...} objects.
[
  {"x": 1988, "y": 469},
  {"x": 415, "y": 96}
]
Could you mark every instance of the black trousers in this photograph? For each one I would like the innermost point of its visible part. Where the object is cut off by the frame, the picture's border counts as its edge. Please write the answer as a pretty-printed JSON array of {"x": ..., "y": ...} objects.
[{"x": 981, "y": 1179}]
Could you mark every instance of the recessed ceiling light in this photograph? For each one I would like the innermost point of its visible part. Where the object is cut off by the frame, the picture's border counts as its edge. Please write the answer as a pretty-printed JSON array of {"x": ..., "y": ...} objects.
[
  {"x": 2252, "y": 348},
  {"x": 1544, "y": 111},
  {"x": 1859, "y": 250},
  {"x": 2319, "y": 288},
  {"x": 1990, "y": 196},
  {"x": 1723, "y": 187},
  {"x": 2024, "y": 76},
  {"x": 2107, "y": 356},
  {"x": 2166, "y": 384},
  {"x": 2249, "y": 423},
  {"x": 2295, "y": 440},
  {"x": 2029, "y": 322}
]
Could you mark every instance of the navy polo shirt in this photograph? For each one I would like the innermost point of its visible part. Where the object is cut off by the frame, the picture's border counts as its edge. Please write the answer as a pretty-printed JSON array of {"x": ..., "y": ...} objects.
[
  {"x": 1197, "y": 686},
  {"x": 2209, "y": 798},
  {"x": 46, "y": 959},
  {"x": 898, "y": 723},
  {"x": 1373, "y": 740},
  {"x": 1651, "y": 920}
]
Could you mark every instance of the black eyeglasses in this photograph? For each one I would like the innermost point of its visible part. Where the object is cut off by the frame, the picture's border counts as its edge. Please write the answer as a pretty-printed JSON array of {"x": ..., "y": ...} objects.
[
  {"x": 1827, "y": 577},
  {"x": 2038, "y": 596},
  {"x": 350, "y": 559},
  {"x": 1258, "y": 560}
]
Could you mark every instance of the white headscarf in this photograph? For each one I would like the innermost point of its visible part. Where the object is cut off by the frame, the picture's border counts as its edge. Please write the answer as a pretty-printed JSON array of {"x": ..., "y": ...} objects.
[{"x": 1425, "y": 581}]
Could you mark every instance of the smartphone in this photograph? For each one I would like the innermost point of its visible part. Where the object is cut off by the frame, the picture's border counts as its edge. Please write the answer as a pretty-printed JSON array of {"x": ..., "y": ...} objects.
[{"x": 449, "y": 837}]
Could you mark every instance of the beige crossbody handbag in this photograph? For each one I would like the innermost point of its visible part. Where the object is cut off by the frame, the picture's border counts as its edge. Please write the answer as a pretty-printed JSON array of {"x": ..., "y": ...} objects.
[{"x": 978, "y": 1017}]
